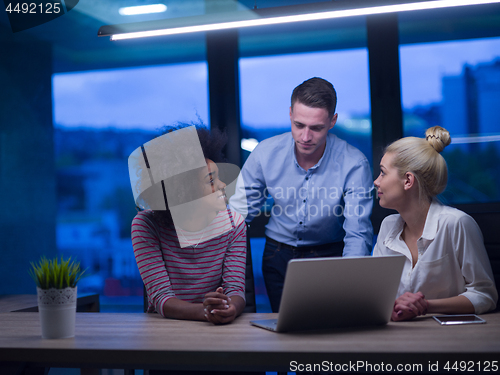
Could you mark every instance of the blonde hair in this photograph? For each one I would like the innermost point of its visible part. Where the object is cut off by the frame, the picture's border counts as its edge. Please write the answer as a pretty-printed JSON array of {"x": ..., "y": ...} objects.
[{"x": 422, "y": 158}]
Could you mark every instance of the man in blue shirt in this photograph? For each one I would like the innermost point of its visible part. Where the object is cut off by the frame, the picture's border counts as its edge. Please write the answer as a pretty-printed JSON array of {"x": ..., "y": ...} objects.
[{"x": 321, "y": 187}]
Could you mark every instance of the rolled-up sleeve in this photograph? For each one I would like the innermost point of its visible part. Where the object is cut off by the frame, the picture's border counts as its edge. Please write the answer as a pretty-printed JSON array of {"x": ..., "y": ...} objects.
[
  {"x": 358, "y": 199},
  {"x": 233, "y": 275},
  {"x": 149, "y": 259},
  {"x": 475, "y": 266}
]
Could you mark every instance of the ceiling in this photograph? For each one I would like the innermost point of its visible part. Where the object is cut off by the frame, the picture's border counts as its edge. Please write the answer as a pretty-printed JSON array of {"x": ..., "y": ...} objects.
[{"x": 76, "y": 46}]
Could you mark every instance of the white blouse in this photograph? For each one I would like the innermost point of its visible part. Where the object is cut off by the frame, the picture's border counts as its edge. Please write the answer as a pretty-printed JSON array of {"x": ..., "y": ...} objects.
[{"x": 452, "y": 259}]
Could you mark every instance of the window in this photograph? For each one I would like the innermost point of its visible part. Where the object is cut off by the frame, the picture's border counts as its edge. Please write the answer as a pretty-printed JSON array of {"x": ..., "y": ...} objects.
[
  {"x": 266, "y": 84},
  {"x": 100, "y": 118},
  {"x": 457, "y": 85}
]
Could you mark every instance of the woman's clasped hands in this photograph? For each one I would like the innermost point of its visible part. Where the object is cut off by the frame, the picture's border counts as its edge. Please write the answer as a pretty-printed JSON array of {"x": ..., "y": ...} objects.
[
  {"x": 218, "y": 307},
  {"x": 409, "y": 305}
]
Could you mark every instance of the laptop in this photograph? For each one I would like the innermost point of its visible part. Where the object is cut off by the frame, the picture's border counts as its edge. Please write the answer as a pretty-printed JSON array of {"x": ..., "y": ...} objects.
[{"x": 326, "y": 293}]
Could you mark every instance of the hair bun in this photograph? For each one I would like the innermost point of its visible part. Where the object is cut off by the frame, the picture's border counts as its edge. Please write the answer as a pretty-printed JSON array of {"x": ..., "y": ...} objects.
[{"x": 438, "y": 137}]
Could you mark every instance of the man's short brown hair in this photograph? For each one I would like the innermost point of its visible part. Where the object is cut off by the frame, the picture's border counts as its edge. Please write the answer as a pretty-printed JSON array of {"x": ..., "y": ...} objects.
[{"x": 316, "y": 93}]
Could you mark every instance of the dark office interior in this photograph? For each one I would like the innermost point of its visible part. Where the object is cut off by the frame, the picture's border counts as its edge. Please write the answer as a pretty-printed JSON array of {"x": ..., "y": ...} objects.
[{"x": 29, "y": 179}]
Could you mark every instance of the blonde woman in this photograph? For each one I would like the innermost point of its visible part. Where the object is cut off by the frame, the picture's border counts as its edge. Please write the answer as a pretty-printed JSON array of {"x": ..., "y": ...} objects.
[{"x": 447, "y": 269}]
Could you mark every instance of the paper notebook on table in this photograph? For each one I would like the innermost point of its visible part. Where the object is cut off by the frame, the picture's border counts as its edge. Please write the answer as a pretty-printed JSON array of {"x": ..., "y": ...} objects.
[{"x": 326, "y": 293}]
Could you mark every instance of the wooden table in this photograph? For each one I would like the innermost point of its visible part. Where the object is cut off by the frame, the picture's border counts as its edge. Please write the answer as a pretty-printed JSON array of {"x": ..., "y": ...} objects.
[{"x": 148, "y": 341}]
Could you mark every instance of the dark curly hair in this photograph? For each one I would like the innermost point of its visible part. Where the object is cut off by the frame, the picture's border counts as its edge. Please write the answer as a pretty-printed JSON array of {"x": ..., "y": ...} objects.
[{"x": 212, "y": 142}]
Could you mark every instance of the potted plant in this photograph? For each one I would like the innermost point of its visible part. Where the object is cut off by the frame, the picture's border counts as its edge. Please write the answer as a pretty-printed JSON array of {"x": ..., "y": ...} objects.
[{"x": 56, "y": 289}]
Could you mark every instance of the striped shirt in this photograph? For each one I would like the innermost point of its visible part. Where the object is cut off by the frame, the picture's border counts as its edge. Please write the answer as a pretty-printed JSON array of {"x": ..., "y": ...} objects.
[{"x": 188, "y": 273}]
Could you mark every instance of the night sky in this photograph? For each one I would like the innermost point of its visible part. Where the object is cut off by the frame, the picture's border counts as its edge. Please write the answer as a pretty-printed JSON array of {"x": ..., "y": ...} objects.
[{"x": 151, "y": 97}]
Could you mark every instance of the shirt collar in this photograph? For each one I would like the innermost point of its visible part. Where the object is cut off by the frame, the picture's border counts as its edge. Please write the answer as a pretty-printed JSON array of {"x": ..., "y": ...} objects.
[
  {"x": 430, "y": 227},
  {"x": 431, "y": 221},
  {"x": 329, "y": 144},
  {"x": 395, "y": 231}
]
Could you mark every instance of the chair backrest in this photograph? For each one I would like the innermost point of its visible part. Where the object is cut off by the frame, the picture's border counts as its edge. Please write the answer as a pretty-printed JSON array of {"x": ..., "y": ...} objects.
[
  {"x": 251, "y": 306},
  {"x": 145, "y": 301}
]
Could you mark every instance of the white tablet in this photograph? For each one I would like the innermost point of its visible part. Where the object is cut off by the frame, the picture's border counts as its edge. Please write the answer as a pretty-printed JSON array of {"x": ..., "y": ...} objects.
[{"x": 459, "y": 319}]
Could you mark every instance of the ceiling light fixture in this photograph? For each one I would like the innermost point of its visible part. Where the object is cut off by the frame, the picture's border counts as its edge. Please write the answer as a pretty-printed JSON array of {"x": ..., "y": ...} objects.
[
  {"x": 142, "y": 9},
  {"x": 268, "y": 16}
]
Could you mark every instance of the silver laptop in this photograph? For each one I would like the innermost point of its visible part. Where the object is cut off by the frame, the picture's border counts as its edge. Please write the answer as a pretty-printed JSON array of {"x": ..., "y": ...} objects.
[{"x": 326, "y": 293}]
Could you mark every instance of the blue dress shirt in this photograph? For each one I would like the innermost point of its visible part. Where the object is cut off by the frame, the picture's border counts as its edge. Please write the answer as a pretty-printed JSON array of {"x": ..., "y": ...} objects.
[{"x": 330, "y": 202}]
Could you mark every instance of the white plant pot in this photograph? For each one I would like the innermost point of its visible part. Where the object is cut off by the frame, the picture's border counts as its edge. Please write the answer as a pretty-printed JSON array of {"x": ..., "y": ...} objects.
[{"x": 57, "y": 309}]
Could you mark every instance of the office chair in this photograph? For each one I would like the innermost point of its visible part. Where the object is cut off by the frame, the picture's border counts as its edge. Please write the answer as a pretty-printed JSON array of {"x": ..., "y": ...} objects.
[{"x": 251, "y": 306}]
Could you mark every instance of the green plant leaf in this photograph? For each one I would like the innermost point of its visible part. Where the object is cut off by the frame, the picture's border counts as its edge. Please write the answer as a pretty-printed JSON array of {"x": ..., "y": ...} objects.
[{"x": 55, "y": 274}]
